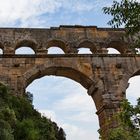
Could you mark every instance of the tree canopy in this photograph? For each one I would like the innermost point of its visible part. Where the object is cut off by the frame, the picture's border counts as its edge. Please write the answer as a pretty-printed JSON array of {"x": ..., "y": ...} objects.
[
  {"x": 128, "y": 122},
  {"x": 126, "y": 14},
  {"x": 20, "y": 121}
]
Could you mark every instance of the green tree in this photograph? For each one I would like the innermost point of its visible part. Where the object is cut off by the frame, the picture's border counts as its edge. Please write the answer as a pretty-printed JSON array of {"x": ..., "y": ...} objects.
[
  {"x": 126, "y": 13},
  {"x": 128, "y": 123},
  {"x": 26, "y": 130},
  {"x": 20, "y": 121},
  {"x": 5, "y": 131},
  {"x": 61, "y": 134}
]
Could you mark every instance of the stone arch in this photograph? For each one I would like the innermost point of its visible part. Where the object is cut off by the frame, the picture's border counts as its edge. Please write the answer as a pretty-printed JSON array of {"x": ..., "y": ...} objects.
[
  {"x": 132, "y": 90},
  {"x": 72, "y": 96},
  {"x": 118, "y": 45},
  {"x": 57, "y": 43},
  {"x": 129, "y": 75},
  {"x": 87, "y": 44},
  {"x": 68, "y": 72},
  {"x": 26, "y": 43},
  {"x": 136, "y": 73}
]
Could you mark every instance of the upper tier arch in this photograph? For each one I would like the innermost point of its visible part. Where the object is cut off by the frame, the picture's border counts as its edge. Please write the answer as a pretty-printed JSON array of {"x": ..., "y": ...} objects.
[
  {"x": 26, "y": 43},
  {"x": 118, "y": 45},
  {"x": 57, "y": 43},
  {"x": 88, "y": 44}
]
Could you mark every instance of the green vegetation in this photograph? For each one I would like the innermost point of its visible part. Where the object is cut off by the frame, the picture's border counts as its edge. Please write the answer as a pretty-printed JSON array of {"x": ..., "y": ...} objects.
[
  {"x": 128, "y": 122},
  {"x": 20, "y": 121},
  {"x": 126, "y": 13}
]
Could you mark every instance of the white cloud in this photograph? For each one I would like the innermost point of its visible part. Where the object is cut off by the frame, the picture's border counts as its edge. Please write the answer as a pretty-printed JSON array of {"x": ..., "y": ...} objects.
[
  {"x": 73, "y": 132},
  {"x": 77, "y": 100},
  {"x": 27, "y": 13},
  {"x": 82, "y": 5},
  {"x": 60, "y": 83},
  {"x": 77, "y": 133},
  {"x": 84, "y": 116},
  {"x": 23, "y": 10}
]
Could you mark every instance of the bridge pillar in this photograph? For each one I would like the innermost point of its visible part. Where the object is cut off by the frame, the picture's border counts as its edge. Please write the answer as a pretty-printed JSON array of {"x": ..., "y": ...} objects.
[
  {"x": 107, "y": 119},
  {"x": 107, "y": 101},
  {"x": 42, "y": 52},
  {"x": 8, "y": 49}
]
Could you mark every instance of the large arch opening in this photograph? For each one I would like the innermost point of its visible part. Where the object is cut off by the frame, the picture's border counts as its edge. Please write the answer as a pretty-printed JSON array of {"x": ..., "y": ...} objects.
[
  {"x": 133, "y": 91},
  {"x": 66, "y": 102}
]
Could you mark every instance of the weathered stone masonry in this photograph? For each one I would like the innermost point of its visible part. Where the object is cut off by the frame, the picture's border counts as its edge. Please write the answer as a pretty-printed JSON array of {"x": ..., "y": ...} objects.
[{"x": 104, "y": 76}]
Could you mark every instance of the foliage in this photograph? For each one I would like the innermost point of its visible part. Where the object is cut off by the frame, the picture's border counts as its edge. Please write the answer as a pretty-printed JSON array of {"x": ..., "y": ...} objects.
[
  {"x": 128, "y": 123},
  {"x": 127, "y": 13},
  {"x": 20, "y": 121},
  {"x": 5, "y": 131}
]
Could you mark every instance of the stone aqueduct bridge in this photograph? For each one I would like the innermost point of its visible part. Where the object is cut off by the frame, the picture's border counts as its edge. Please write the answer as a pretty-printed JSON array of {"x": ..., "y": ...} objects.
[{"x": 104, "y": 76}]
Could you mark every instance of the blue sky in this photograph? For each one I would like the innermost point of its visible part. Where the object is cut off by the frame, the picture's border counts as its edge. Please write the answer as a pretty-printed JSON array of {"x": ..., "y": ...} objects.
[
  {"x": 46, "y": 13},
  {"x": 61, "y": 99}
]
